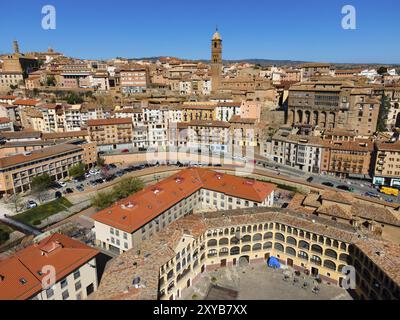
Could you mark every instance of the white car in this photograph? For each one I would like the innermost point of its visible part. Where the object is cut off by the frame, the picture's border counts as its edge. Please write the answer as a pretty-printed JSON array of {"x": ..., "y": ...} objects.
[
  {"x": 62, "y": 184},
  {"x": 31, "y": 204},
  {"x": 87, "y": 175},
  {"x": 92, "y": 172}
]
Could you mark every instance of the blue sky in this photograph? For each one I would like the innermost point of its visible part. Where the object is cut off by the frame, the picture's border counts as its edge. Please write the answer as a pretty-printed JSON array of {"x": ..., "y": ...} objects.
[{"x": 307, "y": 30}]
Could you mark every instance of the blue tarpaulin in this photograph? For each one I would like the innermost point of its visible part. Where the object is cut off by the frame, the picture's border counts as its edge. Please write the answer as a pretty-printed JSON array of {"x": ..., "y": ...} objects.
[{"x": 274, "y": 263}]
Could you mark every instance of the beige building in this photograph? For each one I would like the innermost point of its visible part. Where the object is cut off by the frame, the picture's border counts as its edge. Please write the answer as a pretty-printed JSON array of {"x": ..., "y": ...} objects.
[
  {"x": 387, "y": 164},
  {"x": 17, "y": 171},
  {"x": 24, "y": 275},
  {"x": 142, "y": 215},
  {"x": 174, "y": 259},
  {"x": 115, "y": 133}
]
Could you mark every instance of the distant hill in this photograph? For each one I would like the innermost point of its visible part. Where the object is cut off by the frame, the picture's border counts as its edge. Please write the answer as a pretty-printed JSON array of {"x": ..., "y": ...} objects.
[{"x": 269, "y": 62}]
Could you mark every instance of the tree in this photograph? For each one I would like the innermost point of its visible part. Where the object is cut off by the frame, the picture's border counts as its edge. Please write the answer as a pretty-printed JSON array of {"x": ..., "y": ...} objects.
[
  {"x": 77, "y": 170},
  {"x": 382, "y": 70},
  {"x": 74, "y": 98},
  {"x": 16, "y": 199},
  {"x": 41, "y": 184},
  {"x": 103, "y": 200},
  {"x": 127, "y": 187},
  {"x": 50, "y": 81},
  {"x": 383, "y": 114},
  {"x": 100, "y": 162}
]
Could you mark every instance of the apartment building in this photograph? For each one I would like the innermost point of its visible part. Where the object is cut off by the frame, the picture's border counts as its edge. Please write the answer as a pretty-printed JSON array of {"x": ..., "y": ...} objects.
[
  {"x": 393, "y": 93},
  {"x": 386, "y": 170},
  {"x": 24, "y": 275},
  {"x": 329, "y": 104},
  {"x": 199, "y": 111},
  {"x": 309, "y": 70},
  {"x": 111, "y": 134},
  {"x": 137, "y": 218},
  {"x": 171, "y": 262},
  {"x": 10, "y": 79},
  {"x": 6, "y": 124},
  {"x": 244, "y": 133},
  {"x": 297, "y": 151},
  {"x": 155, "y": 118},
  {"x": 226, "y": 110},
  {"x": 348, "y": 158},
  {"x": 211, "y": 136},
  {"x": 134, "y": 80},
  {"x": 17, "y": 171}
]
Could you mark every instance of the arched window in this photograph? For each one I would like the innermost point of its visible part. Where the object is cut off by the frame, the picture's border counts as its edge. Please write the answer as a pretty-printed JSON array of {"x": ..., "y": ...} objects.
[
  {"x": 268, "y": 235},
  {"x": 321, "y": 239},
  {"x": 212, "y": 252},
  {"x": 243, "y": 229},
  {"x": 328, "y": 242},
  {"x": 289, "y": 230},
  {"x": 343, "y": 246},
  {"x": 301, "y": 234},
  {"x": 290, "y": 251},
  {"x": 278, "y": 246},
  {"x": 341, "y": 266},
  {"x": 266, "y": 226},
  {"x": 316, "y": 248},
  {"x": 249, "y": 229},
  {"x": 295, "y": 232},
  {"x": 271, "y": 225},
  {"x": 257, "y": 237},
  {"x": 344, "y": 257},
  {"x": 303, "y": 255},
  {"x": 314, "y": 237},
  {"x": 316, "y": 260},
  {"x": 246, "y": 248},
  {"x": 256, "y": 246},
  {"x": 234, "y": 240},
  {"x": 336, "y": 244},
  {"x": 291, "y": 240},
  {"x": 267, "y": 245},
  {"x": 331, "y": 253},
  {"x": 235, "y": 250},
  {"x": 279, "y": 236},
  {"x": 304, "y": 245},
  {"x": 246, "y": 238},
  {"x": 212, "y": 243},
  {"x": 223, "y": 251},
  {"x": 170, "y": 274},
  {"x": 329, "y": 265},
  {"x": 223, "y": 241}
]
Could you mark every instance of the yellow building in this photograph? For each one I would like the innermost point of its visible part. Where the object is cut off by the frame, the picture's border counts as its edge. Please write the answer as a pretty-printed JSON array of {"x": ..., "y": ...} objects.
[{"x": 199, "y": 111}]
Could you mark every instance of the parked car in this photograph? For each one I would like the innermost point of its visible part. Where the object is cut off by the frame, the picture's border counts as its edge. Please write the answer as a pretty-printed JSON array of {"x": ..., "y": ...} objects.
[
  {"x": 93, "y": 183},
  {"x": 125, "y": 150},
  {"x": 87, "y": 175},
  {"x": 99, "y": 181},
  {"x": 309, "y": 179},
  {"x": 31, "y": 204},
  {"x": 93, "y": 172},
  {"x": 80, "y": 188},
  {"x": 68, "y": 190},
  {"x": 79, "y": 179},
  {"x": 58, "y": 195},
  {"x": 328, "y": 184},
  {"x": 345, "y": 188},
  {"x": 373, "y": 195},
  {"x": 112, "y": 166},
  {"x": 119, "y": 173},
  {"x": 62, "y": 184}
]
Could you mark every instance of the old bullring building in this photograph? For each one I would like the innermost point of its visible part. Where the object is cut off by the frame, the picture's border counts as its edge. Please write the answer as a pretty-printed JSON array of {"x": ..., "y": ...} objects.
[{"x": 174, "y": 259}]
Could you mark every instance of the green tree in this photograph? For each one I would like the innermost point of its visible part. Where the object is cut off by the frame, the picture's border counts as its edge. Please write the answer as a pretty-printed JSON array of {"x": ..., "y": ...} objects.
[
  {"x": 40, "y": 184},
  {"x": 127, "y": 187},
  {"x": 74, "y": 98},
  {"x": 382, "y": 70},
  {"x": 50, "y": 81},
  {"x": 16, "y": 199},
  {"x": 383, "y": 114},
  {"x": 100, "y": 162},
  {"x": 103, "y": 200},
  {"x": 77, "y": 170}
]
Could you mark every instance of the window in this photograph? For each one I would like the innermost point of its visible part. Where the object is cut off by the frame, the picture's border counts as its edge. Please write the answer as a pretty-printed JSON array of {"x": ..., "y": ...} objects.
[
  {"x": 77, "y": 274},
  {"x": 65, "y": 295},
  {"x": 78, "y": 285},
  {"x": 64, "y": 283},
  {"x": 49, "y": 292}
]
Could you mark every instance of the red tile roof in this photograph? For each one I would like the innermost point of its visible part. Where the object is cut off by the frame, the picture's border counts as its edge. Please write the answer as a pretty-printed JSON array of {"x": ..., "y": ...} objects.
[
  {"x": 26, "y": 102},
  {"x": 106, "y": 122},
  {"x": 138, "y": 209},
  {"x": 19, "y": 277}
]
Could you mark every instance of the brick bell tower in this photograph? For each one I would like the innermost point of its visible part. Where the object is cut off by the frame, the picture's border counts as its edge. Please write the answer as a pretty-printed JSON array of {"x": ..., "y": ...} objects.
[{"x": 216, "y": 61}]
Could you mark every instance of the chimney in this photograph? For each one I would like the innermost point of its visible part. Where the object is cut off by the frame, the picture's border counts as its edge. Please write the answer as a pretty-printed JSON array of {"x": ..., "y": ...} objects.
[{"x": 16, "y": 46}]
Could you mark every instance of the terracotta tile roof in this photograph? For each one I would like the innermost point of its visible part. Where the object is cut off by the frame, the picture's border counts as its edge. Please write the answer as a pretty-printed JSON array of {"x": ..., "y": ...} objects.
[
  {"x": 199, "y": 107},
  {"x": 19, "y": 277},
  {"x": 5, "y": 120},
  {"x": 37, "y": 154},
  {"x": 206, "y": 123},
  {"x": 388, "y": 146},
  {"x": 334, "y": 211},
  {"x": 64, "y": 135},
  {"x": 238, "y": 119},
  {"x": 8, "y": 97},
  {"x": 26, "y": 102},
  {"x": 26, "y": 134},
  {"x": 107, "y": 122},
  {"x": 155, "y": 252},
  {"x": 137, "y": 210},
  {"x": 336, "y": 196}
]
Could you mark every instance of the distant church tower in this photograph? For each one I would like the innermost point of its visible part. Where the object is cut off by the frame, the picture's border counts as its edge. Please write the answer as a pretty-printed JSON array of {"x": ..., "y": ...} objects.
[
  {"x": 216, "y": 61},
  {"x": 15, "y": 46}
]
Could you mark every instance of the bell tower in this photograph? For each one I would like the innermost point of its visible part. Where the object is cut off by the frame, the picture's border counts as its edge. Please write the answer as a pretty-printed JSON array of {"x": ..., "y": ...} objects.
[{"x": 216, "y": 61}]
